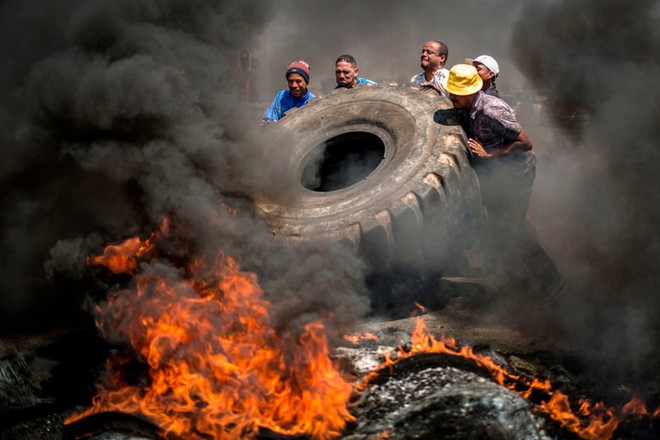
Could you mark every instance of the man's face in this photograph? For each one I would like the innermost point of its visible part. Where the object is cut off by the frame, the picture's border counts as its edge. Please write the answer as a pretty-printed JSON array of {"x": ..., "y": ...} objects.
[
  {"x": 346, "y": 74},
  {"x": 483, "y": 71},
  {"x": 431, "y": 60},
  {"x": 461, "y": 102},
  {"x": 297, "y": 85}
]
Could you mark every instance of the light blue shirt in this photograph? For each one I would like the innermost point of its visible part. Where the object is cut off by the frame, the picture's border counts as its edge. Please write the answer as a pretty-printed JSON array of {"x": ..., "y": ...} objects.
[
  {"x": 285, "y": 101},
  {"x": 362, "y": 81}
]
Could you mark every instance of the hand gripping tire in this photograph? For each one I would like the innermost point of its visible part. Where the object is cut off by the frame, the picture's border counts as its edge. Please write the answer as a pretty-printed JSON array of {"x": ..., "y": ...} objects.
[{"x": 381, "y": 168}]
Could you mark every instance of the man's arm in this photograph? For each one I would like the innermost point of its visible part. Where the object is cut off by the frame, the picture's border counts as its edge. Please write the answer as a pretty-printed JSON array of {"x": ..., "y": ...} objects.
[
  {"x": 521, "y": 143},
  {"x": 274, "y": 111},
  {"x": 430, "y": 85}
]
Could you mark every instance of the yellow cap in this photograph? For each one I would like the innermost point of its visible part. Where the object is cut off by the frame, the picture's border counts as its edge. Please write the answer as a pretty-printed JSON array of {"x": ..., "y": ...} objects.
[{"x": 463, "y": 80}]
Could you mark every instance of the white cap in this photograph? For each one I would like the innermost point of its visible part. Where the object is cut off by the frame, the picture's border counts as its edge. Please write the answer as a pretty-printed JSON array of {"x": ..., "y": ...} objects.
[{"x": 489, "y": 62}]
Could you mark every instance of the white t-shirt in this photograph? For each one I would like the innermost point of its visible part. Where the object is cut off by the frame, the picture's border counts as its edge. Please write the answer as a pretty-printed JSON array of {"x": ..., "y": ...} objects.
[{"x": 439, "y": 80}]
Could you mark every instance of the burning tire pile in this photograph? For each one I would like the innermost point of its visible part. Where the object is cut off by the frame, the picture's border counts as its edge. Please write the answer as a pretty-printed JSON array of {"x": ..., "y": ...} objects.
[
  {"x": 427, "y": 394},
  {"x": 445, "y": 402}
]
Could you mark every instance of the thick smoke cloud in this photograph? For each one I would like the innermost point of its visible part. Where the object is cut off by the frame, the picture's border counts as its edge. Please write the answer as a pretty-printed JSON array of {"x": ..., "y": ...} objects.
[
  {"x": 117, "y": 113},
  {"x": 603, "y": 197},
  {"x": 595, "y": 201}
]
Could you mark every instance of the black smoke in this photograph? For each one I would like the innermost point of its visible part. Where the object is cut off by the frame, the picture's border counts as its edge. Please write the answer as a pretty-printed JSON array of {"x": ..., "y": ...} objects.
[
  {"x": 602, "y": 56},
  {"x": 596, "y": 200},
  {"x": 118, "y": 113},
  {"x": 114, "y": 113}
]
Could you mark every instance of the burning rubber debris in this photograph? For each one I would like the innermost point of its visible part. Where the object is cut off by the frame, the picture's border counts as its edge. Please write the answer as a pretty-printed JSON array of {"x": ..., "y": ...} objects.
[
  {"x": 443, "y": 402},
  {"x": 198, "y": 357},
  {"x": 581, "y": 417},
  {"x": 216, "y": 367},
  {"x": 117, "y": 112}
]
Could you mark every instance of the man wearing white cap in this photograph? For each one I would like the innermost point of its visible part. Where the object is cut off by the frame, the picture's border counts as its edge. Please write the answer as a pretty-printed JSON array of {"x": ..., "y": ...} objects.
[{"x": 488, "y": 69}]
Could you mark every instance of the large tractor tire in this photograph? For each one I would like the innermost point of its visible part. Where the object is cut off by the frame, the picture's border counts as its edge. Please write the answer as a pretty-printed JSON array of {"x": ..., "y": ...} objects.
[{"x": 384, "y": 168}]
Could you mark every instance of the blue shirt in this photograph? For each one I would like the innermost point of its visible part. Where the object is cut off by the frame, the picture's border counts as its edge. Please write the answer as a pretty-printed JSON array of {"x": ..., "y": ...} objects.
[
  {"x": 285, "y": 101},
  {"x": 362, "y": 81}
]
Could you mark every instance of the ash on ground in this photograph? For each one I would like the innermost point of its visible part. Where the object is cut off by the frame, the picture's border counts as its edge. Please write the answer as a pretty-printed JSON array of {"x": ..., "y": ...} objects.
[{"x": 443, "y": 402}]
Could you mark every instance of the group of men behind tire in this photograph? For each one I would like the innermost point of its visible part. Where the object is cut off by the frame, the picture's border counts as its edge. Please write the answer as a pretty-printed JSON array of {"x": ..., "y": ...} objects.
[{"x": 500, "y": 152}]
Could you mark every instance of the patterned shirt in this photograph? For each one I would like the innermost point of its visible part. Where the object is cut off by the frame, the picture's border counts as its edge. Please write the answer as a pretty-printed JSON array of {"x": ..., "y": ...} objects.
[
  {"x": 439, "y": 80},
  {"x": 493, "y": 123},
  {"x": 283, "y": 102}
]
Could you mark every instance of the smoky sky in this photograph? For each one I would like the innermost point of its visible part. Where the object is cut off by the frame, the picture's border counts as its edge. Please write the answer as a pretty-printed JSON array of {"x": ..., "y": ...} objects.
[
  {"x": 601, "y": 201},
  {"x": 118, "y": 113},
  {"x": 385, "y": 37},
  {"x": 596, "y": 201}
]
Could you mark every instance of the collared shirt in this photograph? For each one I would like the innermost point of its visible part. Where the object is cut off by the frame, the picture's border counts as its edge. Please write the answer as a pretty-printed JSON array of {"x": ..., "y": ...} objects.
[
  {"x": 439, "y": 80},
  {"x": 285, "y": 101},
  {"x": 493, "y": 123},
  {"x": 361, "y": 81}
]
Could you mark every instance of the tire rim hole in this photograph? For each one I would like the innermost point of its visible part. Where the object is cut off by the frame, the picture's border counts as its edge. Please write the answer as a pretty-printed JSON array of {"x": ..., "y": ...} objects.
[{"x": 343, "y": 161}]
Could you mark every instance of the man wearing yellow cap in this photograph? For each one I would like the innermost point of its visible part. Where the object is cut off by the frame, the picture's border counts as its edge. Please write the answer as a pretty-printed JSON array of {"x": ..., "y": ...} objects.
[{"x": 506, "y": 166}]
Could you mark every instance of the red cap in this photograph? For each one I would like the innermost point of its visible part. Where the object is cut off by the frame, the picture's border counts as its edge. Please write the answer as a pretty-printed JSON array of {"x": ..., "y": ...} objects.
[{"x": 300, "y": 67}]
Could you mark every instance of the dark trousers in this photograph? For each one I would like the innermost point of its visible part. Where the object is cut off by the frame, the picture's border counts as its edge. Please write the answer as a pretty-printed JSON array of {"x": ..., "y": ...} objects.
[{"x": 512, "y": 254}]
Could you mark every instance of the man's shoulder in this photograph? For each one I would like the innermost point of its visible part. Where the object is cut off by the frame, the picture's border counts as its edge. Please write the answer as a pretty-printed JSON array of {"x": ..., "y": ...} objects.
[
  {"x": 492, "y": 108},
  {"x": 418, "y": 78},
  {"x": 308, "y": 96},
  {"x": 367, "y": 81},
  {"x": 440, "y": 77},
  {"x": 282, "y": 94},
  {"x": 492, "y": 91},
  {"x": 492, "y": 103}
]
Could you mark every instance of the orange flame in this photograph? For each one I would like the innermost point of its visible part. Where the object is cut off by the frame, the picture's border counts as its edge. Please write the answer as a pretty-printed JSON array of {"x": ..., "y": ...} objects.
[
  {"x": 357, "y": 337},
  {"x": 216, "y": 366},
  {"x": 636, "y": 406},
  {"x": 124, "y": 257},
  {"x": 589, "y": 421},
  {"x": 601, "y": 422}
]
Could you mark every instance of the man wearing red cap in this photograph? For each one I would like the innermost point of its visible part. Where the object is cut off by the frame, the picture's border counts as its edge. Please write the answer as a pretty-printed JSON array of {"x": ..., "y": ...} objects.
[{"x": 297, "y": 75}]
